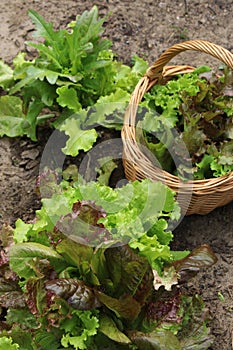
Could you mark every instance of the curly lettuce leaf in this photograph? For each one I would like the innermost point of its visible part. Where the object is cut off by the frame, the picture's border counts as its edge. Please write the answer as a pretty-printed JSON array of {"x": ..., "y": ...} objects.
[
  {"x": 136, "y": 214},
  {"x": 199, "y": 106},
  {"x": 19, "y": 337},
  {"x": 83, "y": 225},
  {"x": 7, "y": 343},
  {"x": 12, "y": 119},
  {"x": 6, "y": 75},
  {"x": 79, "y": 138},
  {"x": 88, "y": 325}
]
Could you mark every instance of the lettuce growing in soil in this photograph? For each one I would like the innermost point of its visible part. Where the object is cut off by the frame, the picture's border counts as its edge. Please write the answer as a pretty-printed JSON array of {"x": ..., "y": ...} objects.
[
  {"x": 74, "y": 70},
  {"x": 94, "y": 269},
  {"x": 198, "y": 107},
  {"x": 136, "y": 214},
  {"x": 70, "y": 280}
]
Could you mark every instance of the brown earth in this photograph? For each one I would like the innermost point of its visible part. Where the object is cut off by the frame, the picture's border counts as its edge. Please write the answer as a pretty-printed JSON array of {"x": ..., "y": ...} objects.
[{"x": 145, "y": 28}]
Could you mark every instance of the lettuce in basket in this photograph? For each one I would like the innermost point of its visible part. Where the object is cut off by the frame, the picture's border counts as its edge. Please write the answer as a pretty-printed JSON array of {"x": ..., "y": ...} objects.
[{"x": 194, "y": 109}]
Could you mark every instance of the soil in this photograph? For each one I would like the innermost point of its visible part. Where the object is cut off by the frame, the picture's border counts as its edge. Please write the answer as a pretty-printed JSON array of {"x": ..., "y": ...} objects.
[{"x": 145, "y": 28}]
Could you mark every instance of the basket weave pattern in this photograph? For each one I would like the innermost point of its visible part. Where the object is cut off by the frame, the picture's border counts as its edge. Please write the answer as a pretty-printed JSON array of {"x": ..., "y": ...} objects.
[{"x": 194, "y": 197}]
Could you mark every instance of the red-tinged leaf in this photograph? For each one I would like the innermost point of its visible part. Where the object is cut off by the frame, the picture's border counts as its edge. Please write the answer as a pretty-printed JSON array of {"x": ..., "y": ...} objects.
[
  {"x": 200, "y": 257},
  {"x": 6, "y": 241},
  {"x": 130, "y": 273},
  {"x": 194, "y": 139},
  {"x": 6, "y": 236},
  {"x": 228, "y": 91},
  {"x": 3, "y": 258},
  {"x": 165, "y": 308},
  {"x": 36, "y": 295},
  {"x": 75, "y": 292},
  {"x": 13, "y": 299},
  {"x": 82, "y": 224},
  {"x": 156, "y": 340},
  {"x": 10, "y": 294},
  {"x": 194, "y": 333}
]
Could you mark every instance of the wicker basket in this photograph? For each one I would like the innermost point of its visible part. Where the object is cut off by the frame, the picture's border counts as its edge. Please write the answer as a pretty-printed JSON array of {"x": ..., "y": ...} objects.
[{"x": 194, "y": 197}]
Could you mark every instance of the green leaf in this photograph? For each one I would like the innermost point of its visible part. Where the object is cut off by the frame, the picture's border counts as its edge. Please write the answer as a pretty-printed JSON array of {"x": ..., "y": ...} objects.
[
  {"x": 67, "y": 97},
  {"x": 79, "y": 139},
  {"x": 179, "y": 254},
  {"x": 43, "y": 29},
  {"x": 53, "y": 39},
  {"x": 20, "y": 65},
  {"x": 202, "y": 69},
  {"x": 6, "y": 75},
  {"x": 84, "y": 38},
  {"x": 7, "y": 344},
  {"x": 12, "y": 119},
  {"x": 22, "y": 338},
  {"x": 135, "y": 211},
  {"x": 204, "y": 167},
  {"x": 74, "y": 253},
  {"x": 88, "y": 328},
  {"x": 99, "y": 265},
  {"x": 107, "y": 166},
  {"x": 155, "y": 252},
  {"x": 23, "y": 317},
  {"x": 34, "y": 73},
  {"x": 48, "y": 340},
  {"x": 33, "y": 111},
  {"x": 53, "y": 56},
  {"x": 108, "y": 327},
  {"x": 23, "y": 253},
  {"x": 41, "y": 91},
  {"x": 109, "y": 110},
  {"x": 139, "y": 65}
]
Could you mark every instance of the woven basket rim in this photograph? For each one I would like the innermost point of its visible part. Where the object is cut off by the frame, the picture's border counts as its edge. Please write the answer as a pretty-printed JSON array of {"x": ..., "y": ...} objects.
[
  {"x": 155, "y": 74},
  {"x": 214, "y": 181}
]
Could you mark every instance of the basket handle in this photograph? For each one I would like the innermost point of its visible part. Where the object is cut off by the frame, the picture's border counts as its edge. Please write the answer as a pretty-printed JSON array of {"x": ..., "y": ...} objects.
[{"x": 214, "y": 50}]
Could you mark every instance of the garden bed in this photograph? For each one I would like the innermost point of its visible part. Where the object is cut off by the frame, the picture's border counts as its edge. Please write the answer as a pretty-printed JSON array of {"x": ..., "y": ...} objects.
[{"x": 146, "y": 36}]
